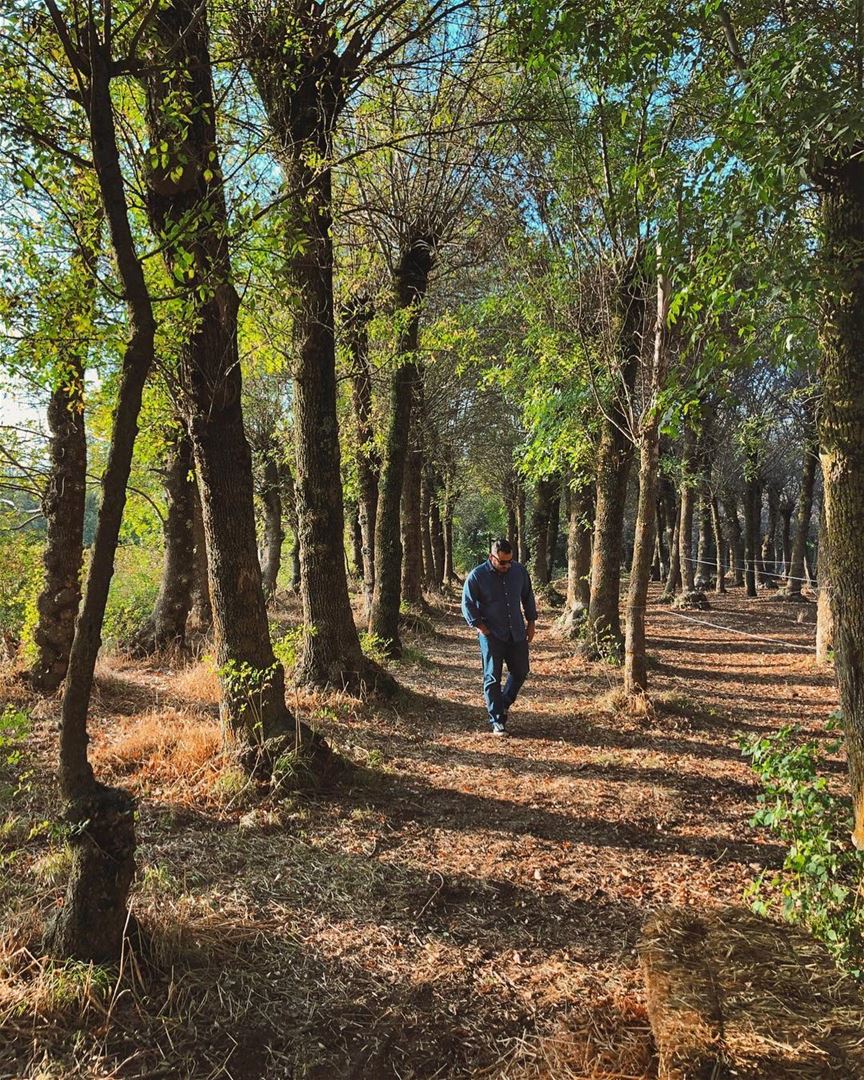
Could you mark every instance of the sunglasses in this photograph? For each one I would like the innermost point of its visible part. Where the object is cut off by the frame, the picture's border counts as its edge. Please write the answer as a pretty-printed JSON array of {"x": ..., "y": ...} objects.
[{"x": 502, "y": 562}]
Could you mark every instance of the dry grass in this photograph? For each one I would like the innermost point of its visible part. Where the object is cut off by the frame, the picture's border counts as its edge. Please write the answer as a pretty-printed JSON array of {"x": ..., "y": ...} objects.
[
  {"x": 196, "y": 684},
  {"x": 179, "y": 750}
]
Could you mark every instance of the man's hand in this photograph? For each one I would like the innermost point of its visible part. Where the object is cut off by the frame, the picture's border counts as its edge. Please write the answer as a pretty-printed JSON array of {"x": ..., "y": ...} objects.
[
  {"x": 483, "y": 629},
  {"x": 529, "y": 632}
]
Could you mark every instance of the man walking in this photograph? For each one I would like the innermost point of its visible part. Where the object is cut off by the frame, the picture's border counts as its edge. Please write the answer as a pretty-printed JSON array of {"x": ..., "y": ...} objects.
[{"x": 494, "y": 597}]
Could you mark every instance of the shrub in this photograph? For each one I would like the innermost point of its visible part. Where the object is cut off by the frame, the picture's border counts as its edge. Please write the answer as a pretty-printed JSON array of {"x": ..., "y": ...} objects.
[
  {"x": 20, "y": 582},
  {"x": 134, "y": 587},
  {"x": 820, "y": 882}
]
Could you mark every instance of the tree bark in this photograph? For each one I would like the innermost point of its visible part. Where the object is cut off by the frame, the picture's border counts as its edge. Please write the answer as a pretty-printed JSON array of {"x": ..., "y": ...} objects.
[
  {"x": 580, "y": 506},
  {"x": 841, "y": 432},
  {"x": 201, "y": 615},
  {"x": 429, "y": 575},
  {"x": 673, "y": 581},
  {"x": 614, "y": 455},
  {"x": 437, "y": 529},
  {"x": 411, "y": 279},
  {"x": 166, "y": 627},
  {"x": 685, "y": 529},
  {"x": 291, "y": 514},
  {"x": 63, "y": 507},
  {"x": 824, "y": 611}
]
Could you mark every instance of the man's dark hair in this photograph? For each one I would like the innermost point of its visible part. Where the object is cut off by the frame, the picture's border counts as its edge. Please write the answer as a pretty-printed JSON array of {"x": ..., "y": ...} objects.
[{"x": 502, "y": 547}]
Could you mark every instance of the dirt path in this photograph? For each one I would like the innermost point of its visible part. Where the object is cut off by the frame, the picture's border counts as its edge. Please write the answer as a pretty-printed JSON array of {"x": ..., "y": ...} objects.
[{"x": 470, "y": 907}]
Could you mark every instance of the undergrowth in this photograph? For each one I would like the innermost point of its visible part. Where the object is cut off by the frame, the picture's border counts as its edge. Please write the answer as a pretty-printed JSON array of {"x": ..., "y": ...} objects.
[{"x": 820, "y": 883}]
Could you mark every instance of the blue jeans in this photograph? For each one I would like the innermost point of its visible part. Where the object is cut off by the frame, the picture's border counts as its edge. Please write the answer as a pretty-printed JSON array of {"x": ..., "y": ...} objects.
[{"x": 495, "y": 654}]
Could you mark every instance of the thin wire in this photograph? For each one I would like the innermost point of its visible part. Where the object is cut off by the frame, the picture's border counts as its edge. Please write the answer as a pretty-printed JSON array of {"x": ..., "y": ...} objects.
[{"x": 743, "y": 633}]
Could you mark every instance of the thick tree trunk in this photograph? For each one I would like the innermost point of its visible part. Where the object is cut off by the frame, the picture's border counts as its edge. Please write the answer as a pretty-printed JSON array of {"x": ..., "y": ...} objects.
[
  {"x": 614, "y": 455},
  {"x": 91, "y": 923},
  {"x": 63, "y": 507},
  {"x": 787, "y": 511},
  {"x": 841, "y": 432},
  {"x": 579, "y": 517},
  {"x": 166, "y": 628},
  {"x": 201, "y": 615},
  {"x": 274, "y": 534},
  {"x": 795, "y": 574},
  {"x": 356, "y": 541},
  {"x": 412, "y": 277},
  {"x": 368, "y": 459},
  {"x": 302, "y": 103}
]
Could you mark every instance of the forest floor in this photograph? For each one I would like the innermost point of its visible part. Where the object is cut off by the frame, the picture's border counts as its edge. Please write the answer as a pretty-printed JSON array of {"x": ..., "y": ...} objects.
[{"x": 464, "y": 906}]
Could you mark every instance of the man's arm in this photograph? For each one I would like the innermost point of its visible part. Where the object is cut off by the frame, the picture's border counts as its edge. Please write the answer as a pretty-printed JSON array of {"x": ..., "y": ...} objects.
[
  {"x": 529, "y": 606},
  {"x": 471, "y": 605}
]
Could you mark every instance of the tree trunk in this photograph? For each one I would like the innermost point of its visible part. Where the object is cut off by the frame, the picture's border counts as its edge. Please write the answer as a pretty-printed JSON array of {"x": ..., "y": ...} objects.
[
  {"x": 673, "y": 581},
  {"x": 449, "y": 564},
  {"x": 703, "y": 550},
  {"x": 368, "y": 459},
  {"x": 579, "y": 518},
  {"x": 795, "y": 574},
  {"x": 685, "y": 530},
  {"x": 437, "y": 527},
  {"x": 752, "y": 518},
  {"x": 544, "y": 497},
  {"x": 768, "y": 542},
  {"x": 841, "y": 432},
  {"x": 91, "y": 923},
  {"x": 736, "y": 539},
  {"x": 356, "y": 541},
  {"x": 63, "y": 507},
  {"x": 166, "y": 627},
  {"x": 614, "y": 455},
  {"x": 301, "y": 107},
  {"x": 201, "y": 615},
  {"x": 274, "y": 534},
  {"x": 411, "y": 280},
  {"x": 635, "y": 661},
  {"x": 720, "y": 546},
  {"x": 430, "y": 579}
]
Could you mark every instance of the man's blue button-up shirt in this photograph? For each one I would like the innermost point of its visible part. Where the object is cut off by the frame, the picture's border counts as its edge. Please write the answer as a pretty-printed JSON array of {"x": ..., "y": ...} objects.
[{"x": 498, "y": 600}]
